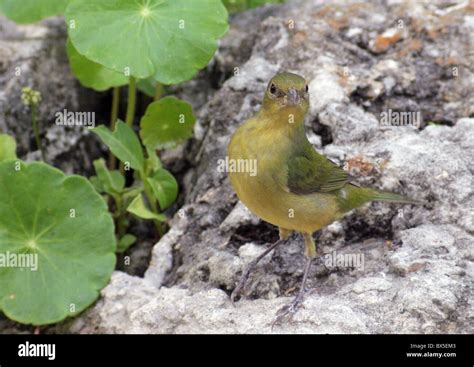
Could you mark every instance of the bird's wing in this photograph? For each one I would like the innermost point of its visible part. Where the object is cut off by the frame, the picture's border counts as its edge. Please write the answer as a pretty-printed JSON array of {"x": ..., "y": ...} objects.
[{"x": 310, "y": 172}]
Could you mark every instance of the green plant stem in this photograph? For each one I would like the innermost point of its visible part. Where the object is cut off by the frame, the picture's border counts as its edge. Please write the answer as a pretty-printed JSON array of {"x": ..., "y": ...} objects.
[
  {"x": 34, "y": 120},
  {"x": 151, "y": 199},
  {"x": 131, "y": 102},
  {"x": 132, "y": 96},
  {"x": 120, "y": 216},
  {"x": 113, "y": 120},
  {"x": 158, "y": 91}
]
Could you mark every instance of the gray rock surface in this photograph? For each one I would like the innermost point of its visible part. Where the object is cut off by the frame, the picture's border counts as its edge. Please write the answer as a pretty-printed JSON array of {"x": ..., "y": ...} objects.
[
  {"x": 35, "y": 56},
  {"x": 417, "y": 289},
  {"x": 417, "y": 269}
]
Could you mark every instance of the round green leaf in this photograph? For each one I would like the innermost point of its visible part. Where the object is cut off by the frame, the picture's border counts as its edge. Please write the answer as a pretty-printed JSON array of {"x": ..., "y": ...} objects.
[
  {"x": 147, "y": 86},
  {"x": 166, "y": 123},
  {"x": 91, "y": 74},
  {"x": 168, "y": 39},
  {"x": 30, "y": 11},
  {"x": 7, "y": 147},
  {"x": 62, "y": 222},
  {"x": 165, "y": 187}
]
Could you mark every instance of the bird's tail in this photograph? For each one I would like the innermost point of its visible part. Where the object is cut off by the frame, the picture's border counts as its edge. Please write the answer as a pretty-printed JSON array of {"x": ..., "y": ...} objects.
[
  {"x": 354, "y": 196},
  {"x": 379, "y": 195}
]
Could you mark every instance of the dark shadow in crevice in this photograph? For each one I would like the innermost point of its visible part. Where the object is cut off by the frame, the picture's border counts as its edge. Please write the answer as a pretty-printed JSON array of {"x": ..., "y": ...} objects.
[{"x": 323, "y": 131}]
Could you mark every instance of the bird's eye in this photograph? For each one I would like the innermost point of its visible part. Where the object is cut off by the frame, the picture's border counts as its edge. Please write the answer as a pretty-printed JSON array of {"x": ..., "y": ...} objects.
[
  {"x": 273, "y": 89},
  {"x": 306, "y": 89}
]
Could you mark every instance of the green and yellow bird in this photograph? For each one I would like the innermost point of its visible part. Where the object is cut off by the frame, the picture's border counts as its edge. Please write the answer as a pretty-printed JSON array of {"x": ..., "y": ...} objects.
[{"x": 293, "y": 186}]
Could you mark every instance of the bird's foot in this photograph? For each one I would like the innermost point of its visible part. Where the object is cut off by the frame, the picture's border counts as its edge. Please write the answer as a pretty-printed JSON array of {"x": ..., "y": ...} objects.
[{"x": 287, "y": 312}]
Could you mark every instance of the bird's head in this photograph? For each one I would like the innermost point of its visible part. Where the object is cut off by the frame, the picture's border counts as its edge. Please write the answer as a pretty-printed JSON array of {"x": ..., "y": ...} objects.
[{"x": 286, "y": 93}]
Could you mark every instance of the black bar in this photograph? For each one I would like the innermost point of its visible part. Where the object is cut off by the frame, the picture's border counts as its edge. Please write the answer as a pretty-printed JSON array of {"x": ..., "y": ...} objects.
[{"x": 304, "y": 350}]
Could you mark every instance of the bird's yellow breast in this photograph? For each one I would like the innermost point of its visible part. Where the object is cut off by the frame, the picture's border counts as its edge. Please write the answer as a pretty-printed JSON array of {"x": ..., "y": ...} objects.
[{"x": 264, "y": 190}]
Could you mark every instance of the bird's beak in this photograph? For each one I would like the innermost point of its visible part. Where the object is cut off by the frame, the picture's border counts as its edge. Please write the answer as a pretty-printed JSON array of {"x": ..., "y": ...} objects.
[{"x": 292, "y": 97}]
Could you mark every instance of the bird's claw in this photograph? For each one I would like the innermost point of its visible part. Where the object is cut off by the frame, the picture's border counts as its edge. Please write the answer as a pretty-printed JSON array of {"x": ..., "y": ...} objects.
[
  {"x": 242, "y": 282},
  {"x": 288, "y": 311},
  {"x": 236, "y": 292}
]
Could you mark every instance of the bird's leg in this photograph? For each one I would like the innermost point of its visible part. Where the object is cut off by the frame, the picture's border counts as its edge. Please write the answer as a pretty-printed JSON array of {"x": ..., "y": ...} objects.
[
  {"x": 284, "y": 234},
  {"x": 292, "y": 308},
  {"x": 248, "y": 270}
]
